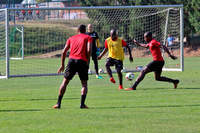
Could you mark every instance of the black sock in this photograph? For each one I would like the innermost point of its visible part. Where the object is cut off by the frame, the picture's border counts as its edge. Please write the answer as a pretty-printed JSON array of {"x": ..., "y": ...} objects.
[
  {"x": 135, "y": 85},
  {"x": 83, "y": 97},
  {"x": 59, "y": 99}
]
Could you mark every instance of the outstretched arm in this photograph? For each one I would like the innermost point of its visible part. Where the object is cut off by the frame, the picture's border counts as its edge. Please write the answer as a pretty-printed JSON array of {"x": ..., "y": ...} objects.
[
  {"x": 167, "y": 51},
  {"x": 140, "y": 44},
  {"x": 102, "y": 53},
  {"x": 130, "y": 55},
  {"x": 88, "y": 50},
  {"x": 63, "y": 56}
]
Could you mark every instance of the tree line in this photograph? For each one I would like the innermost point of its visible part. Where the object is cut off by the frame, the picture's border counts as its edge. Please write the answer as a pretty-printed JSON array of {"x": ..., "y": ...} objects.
[{"x": 191, "y": 9}]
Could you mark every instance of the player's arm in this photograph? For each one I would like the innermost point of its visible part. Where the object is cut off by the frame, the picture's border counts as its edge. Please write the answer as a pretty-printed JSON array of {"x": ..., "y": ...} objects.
[
  {"x": 129, "y": 50},
  {"x": 167, "y": 43},
  {"x": 105, "y": 50},
  {"x": 140, "y": 44},
  {"x": 88, "y": 50},
  {"x": 130, "y": 55},
  {"x": 63, "y": 56},
  {"x": 167, "y": 51}
]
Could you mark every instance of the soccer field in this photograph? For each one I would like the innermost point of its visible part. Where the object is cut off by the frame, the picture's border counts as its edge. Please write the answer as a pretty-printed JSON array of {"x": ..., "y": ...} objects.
[{"x": 155, "y": 107}]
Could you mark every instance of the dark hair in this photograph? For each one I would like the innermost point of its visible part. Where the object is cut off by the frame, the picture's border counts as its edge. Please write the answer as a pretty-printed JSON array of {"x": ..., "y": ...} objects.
[
  {"x": 82, "y": 28},
  {"x": 148, "y": 34}
]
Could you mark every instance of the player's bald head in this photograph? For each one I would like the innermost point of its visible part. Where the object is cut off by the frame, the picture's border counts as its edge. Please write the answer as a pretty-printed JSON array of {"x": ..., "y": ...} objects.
[
  {"x": 113, "y": 34},
  {"x": 89, "y": 27}
]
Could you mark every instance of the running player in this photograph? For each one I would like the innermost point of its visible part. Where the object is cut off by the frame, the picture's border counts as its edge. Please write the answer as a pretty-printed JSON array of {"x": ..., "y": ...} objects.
[
  {"x": 114, "y": 45},
  {"x": 157, "y": 64},
  {"x": 95, "y": 48},
  {"x": 79, "y": 46}
]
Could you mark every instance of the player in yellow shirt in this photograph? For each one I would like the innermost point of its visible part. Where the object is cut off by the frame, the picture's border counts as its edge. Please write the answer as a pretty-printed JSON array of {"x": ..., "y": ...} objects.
[{"x": 114, "y": 45}]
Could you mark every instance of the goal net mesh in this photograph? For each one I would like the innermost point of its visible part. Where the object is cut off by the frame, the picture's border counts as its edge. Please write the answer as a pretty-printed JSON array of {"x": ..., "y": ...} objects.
[{"x": 46, "y": 31}]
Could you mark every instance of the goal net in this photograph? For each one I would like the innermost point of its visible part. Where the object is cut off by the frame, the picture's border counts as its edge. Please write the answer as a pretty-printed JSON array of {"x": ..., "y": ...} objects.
[
  {"x": 45, "y": 31},
  {"x": 16, "y": 42}
]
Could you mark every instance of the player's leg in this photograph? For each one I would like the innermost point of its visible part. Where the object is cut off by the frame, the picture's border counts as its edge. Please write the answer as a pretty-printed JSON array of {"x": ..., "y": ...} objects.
[
  {"x": 62, "y": 90},
  {"x": 110, "y": 63},
  {"x": 141, "y": 76},
  {"x": 83, "y": 93},
  {"x": 83, "y": 75},
  {"x": 94, "y": 58},
  {"x": 158, "y": 77},
  {"x": 68, "y": 75},
  {"x": 119, "y": 67}
]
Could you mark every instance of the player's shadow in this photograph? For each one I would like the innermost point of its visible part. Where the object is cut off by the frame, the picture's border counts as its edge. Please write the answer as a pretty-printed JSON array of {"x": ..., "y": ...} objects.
[
  {"x": 35, "y": 99},
  {"x": 21, "y": 110},
  {"x": 156, "y": 106},
  {"x": 190, "y": 88},
  {"x": 154, "y": 88}
]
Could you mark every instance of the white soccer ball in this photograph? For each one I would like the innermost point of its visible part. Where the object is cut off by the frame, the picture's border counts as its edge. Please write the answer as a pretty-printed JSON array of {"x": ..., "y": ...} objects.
[
  {"x": 130, "y": 76},
  {"x": 101, "y": 70}
]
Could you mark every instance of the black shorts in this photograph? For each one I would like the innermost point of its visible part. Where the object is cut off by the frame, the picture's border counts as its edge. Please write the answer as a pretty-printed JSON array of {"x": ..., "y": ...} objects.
[
  {"x": 118, "y": 63},
  {"x": 79, "y": 66},
  {"x": 156, "y": 66}
]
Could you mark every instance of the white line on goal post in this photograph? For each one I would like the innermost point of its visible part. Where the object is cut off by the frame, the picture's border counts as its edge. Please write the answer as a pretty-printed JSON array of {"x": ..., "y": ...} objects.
[
  {"x": 181, "y": 39},
  {"x": 7, "y": 43}
]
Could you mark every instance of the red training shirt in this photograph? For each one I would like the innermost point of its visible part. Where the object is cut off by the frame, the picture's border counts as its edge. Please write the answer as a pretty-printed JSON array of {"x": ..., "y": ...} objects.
[
  {"x": 78, "y": 46},
  {"x": 154, "y": 47}
]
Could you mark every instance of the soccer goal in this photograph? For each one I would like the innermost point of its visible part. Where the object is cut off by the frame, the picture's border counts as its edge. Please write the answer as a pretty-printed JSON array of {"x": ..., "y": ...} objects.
[{"x": 39, "y": 37}]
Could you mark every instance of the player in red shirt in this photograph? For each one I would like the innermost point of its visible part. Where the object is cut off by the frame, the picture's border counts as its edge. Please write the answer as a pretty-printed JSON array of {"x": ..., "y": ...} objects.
[
  {"x": 157, "y": 64},
  {"x": 79, "y": 46}
]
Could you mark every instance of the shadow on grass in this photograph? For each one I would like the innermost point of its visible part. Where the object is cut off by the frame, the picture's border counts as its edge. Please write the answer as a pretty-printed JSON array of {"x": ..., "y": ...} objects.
[
  {"x": 21, "y": 110},
  {"x": 35, "y": 99},
  {"x": 190, "y": 88},
  {"x": 170, "y": 88},
  {"x": 159, "y": 106}
]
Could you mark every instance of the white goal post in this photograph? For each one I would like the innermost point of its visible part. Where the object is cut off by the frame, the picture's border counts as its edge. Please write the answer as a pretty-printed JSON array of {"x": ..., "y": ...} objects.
[{"x": 40, "y": 34}]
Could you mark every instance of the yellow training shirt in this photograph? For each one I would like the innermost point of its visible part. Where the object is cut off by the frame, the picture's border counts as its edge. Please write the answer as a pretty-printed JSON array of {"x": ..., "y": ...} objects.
[{"x": 115, "y": 48}]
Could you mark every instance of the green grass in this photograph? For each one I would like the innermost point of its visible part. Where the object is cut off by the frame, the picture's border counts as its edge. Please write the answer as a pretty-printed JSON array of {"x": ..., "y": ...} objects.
[
  {"x": 50, "y": 65},
  {"x": 25, "y": 105}
]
